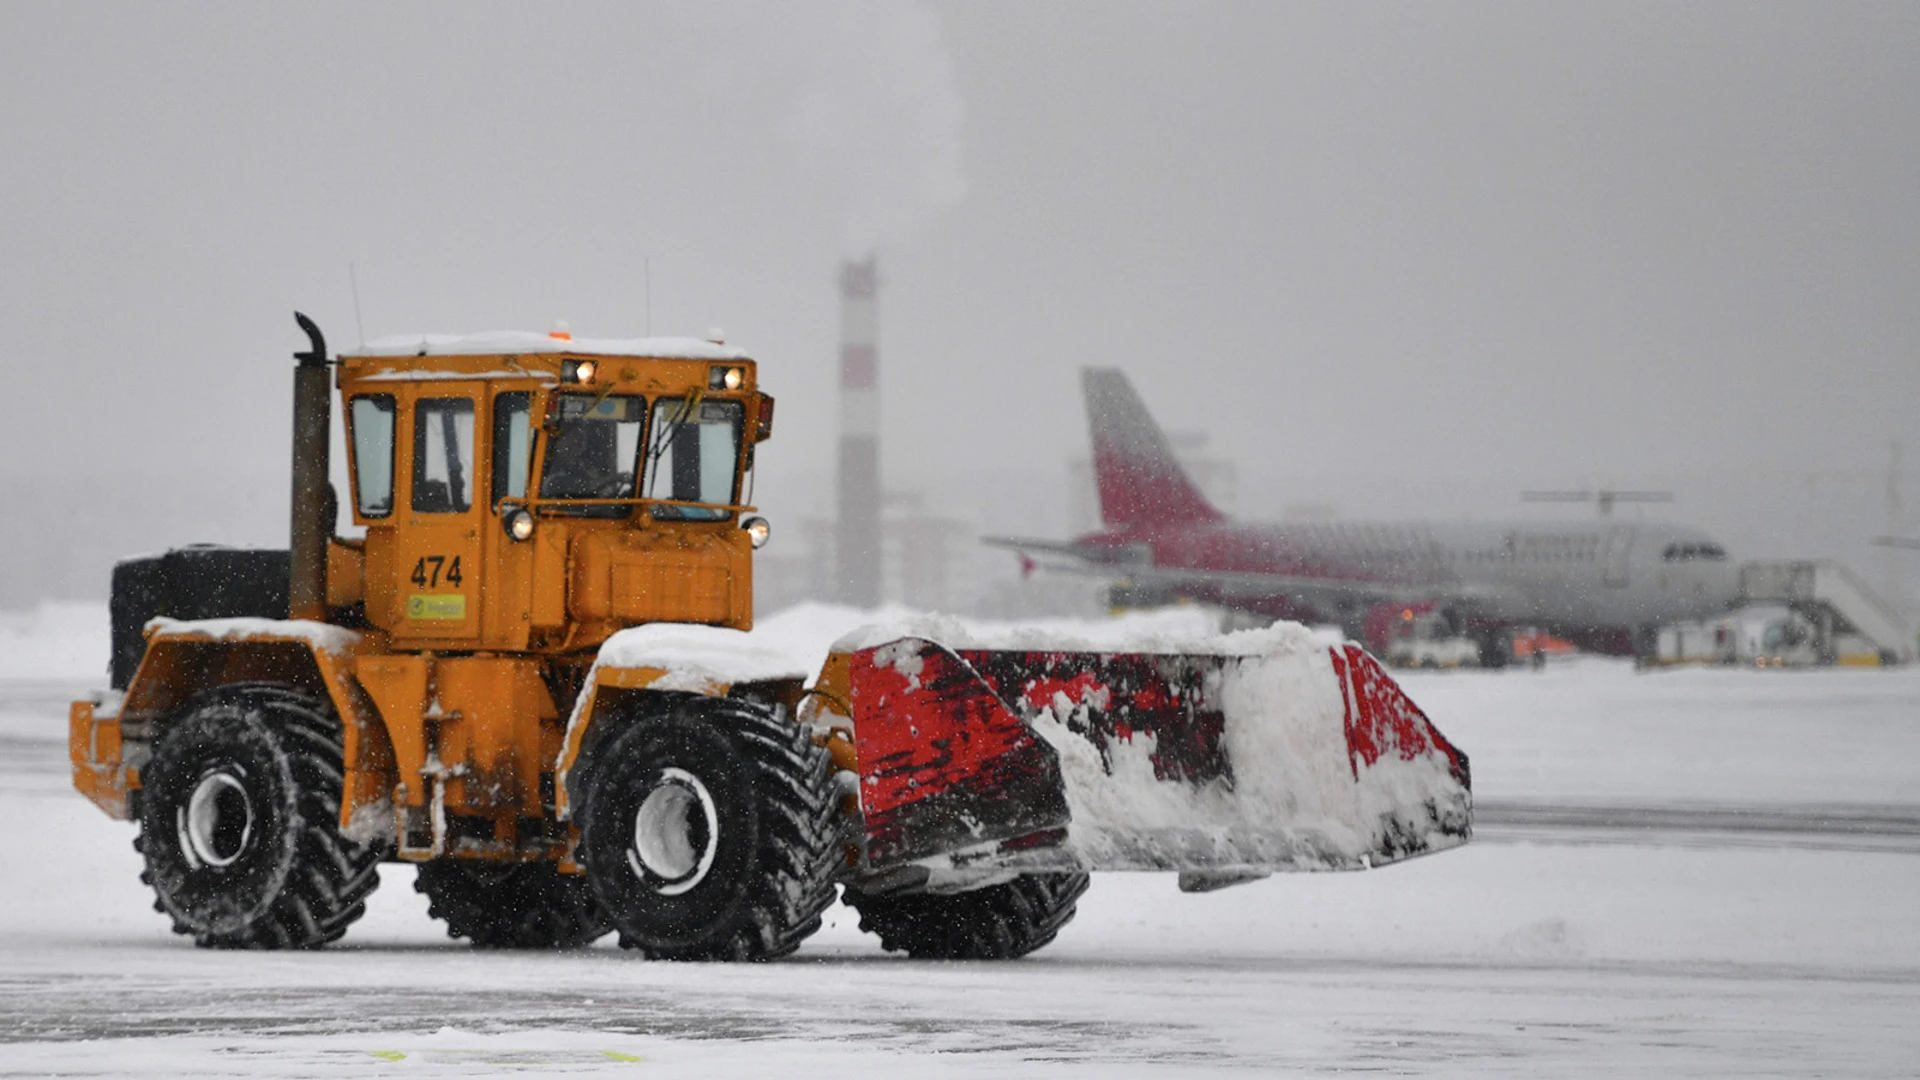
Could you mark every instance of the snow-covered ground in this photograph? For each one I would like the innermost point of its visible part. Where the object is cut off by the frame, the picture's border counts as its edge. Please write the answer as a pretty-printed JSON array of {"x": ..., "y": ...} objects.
[{"x": 1684, "y": 873}]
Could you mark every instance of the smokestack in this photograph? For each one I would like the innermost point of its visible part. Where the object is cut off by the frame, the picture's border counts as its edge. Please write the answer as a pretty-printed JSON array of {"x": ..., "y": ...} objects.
[
  {"x": 857, "y": 534},
  {"x": 311, "y": 528}
]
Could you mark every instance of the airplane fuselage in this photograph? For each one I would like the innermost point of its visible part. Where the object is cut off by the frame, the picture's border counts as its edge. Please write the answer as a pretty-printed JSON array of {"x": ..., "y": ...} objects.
[{"x": 1582, "y": 575}]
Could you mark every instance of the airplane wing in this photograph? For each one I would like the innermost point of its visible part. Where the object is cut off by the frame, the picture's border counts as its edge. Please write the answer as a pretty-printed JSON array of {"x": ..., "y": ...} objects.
[
  {"x": 1069, "y": 557},
  {"x": 1031, "y": 546}
]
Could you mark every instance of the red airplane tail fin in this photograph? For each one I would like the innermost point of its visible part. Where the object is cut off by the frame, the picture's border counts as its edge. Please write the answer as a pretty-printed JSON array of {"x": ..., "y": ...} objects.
[{"x": 1139, "y": 479}]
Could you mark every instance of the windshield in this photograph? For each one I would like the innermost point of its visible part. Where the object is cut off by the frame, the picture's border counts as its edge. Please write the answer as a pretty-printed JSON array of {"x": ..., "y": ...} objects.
[
  {"x": 593, "y": 451},
  {"x": 695, "y": 451}
]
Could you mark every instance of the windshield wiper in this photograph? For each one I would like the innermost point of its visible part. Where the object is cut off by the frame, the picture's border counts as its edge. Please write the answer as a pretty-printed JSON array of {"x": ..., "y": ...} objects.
[
  {"x": 456, "y": 469},
  {"x": 663, "y": 441}
]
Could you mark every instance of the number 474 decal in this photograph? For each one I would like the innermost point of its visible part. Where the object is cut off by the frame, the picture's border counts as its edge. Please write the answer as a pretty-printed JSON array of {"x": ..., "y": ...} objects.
[{"x": 428, "y": 572}]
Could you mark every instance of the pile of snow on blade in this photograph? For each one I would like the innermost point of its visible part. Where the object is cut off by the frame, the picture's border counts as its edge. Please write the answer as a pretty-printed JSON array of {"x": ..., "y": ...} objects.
[
  {"x": 809, "y": 631},
  {"x": 1297, "y": 798},
  {"x": 1291, "y": 753},
  {"x": 1176, "y": 630}
]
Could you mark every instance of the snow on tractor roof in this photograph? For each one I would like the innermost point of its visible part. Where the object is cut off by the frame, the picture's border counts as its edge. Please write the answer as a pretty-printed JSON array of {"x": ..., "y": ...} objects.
[
  {"x": 520, "y": 342},
  {"x": 1111, "y": 636}
]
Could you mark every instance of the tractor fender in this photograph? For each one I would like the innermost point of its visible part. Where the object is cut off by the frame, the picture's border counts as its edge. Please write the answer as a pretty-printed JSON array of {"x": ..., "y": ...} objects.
[
  {"x": 187, "y": 657},
  {"x": 658, "y": 663}
]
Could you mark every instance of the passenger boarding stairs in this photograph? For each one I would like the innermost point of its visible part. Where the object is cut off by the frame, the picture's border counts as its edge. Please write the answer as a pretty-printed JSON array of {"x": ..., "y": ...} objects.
[{"x": 1834, "y": 599}]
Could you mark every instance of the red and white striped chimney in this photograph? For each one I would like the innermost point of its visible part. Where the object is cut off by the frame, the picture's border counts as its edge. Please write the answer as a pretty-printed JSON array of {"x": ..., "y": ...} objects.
[{"x": 857, "y": 539}]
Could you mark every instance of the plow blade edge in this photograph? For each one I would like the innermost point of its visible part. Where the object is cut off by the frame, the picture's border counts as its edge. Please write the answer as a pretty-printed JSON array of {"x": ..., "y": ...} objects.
[{"x": 1302, "y": 758}]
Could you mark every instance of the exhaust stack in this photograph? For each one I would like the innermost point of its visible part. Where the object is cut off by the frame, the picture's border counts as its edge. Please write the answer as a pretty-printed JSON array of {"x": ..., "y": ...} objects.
[{"x": 310, "y": 528}]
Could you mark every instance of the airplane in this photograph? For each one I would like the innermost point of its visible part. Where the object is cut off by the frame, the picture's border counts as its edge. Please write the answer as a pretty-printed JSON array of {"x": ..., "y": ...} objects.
[{"x": 1605, "y": 585}]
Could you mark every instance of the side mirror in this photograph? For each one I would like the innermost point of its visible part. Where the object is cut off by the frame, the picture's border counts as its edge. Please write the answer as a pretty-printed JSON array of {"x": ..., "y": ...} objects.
[{"x": 763, "y": 419}]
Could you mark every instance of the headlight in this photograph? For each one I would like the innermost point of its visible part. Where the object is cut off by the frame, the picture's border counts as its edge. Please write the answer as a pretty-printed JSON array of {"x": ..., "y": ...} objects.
[
  {"x": 757, "y": 530},
  {"x": 726, "y": 378},
  {"x": 576, "y": 371},
  {"x": 518, "y": 523}
]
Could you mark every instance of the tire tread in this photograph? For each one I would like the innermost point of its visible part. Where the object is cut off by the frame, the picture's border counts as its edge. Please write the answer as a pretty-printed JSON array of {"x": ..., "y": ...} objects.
[
  {"x": 531, "y": 906},
  {"x": 998, "y": 922},
  {"x": 327, "y": 888},
  {"x": 798, "y": 855}
]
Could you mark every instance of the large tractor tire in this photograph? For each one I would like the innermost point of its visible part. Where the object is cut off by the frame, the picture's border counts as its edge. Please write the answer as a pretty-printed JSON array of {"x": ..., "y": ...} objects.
[
  {"x": 240, "y": 822},
  {"x": 511, "y": 905},
  {"x": 999, "y": 922},
  {"x": 712, "y": 832}
]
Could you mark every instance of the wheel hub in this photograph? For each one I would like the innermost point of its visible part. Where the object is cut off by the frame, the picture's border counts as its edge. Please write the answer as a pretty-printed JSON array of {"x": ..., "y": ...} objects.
[
  {"x": 676, "y": 832},
  {"x": 217, "y": 822}
]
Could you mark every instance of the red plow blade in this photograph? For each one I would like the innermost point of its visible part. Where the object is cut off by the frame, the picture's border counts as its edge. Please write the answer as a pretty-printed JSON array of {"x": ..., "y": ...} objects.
[{"x": 1297, "y": 757}]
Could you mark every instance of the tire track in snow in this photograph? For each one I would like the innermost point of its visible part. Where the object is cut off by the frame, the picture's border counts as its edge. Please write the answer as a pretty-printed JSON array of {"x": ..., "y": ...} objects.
[{"x": 1836, "y": 827}]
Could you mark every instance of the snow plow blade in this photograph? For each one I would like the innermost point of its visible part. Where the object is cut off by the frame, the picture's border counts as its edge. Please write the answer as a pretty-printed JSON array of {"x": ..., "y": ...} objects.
[{"x": 1281, "y": 754}]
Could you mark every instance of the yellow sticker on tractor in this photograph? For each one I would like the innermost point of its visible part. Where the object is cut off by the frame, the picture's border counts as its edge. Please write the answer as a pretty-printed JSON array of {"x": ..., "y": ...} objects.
[{"x": 451, "y": 606}]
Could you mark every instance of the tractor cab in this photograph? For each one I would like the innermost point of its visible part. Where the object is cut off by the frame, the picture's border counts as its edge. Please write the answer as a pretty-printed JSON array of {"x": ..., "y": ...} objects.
[{"x": 524, "y": 492}]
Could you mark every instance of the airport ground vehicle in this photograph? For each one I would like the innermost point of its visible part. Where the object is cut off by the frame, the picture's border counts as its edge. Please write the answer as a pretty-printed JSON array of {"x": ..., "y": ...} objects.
[
  {"x": 530, "y": 677},
  {"x": 1424, "y": 639}
]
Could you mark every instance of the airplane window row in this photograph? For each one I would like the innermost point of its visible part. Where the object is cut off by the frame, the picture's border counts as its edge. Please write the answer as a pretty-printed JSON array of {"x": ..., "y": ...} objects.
[
  {"x": 1688, "y": 552},
  {"x": 1530, "y": 553}
]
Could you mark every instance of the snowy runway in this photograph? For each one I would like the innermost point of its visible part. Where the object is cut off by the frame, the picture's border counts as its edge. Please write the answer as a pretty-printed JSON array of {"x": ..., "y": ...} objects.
[
  {"x": 331, "y": 1014},
  {"x": 1505, "y": 960},
  {"x": 1684, "y": 873}
]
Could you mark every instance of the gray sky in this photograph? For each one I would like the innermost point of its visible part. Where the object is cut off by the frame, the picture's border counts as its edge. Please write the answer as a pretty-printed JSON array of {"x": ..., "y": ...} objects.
[{"x": 1462, "y": 246}]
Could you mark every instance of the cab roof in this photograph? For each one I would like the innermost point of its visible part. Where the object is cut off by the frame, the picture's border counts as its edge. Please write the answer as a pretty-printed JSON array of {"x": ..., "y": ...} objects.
[{"x": 524, "y": 343}]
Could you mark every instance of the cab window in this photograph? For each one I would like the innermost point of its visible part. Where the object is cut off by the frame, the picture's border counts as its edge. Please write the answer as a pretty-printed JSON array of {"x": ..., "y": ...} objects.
[
  {"x": 593, "y": 451},
  {"x": 694, "y": 457},
  {"x": 442, "y": 455},
  {"x": 512, "y": 444},
  {"x": 371, "y": 416}
]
